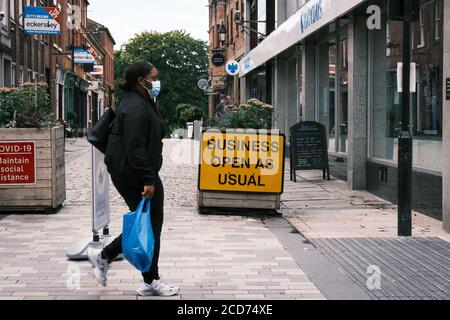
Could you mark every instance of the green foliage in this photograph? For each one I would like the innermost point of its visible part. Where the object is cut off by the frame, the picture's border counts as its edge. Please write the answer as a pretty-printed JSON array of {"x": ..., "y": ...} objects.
[
  {"x": 190, "y": 113},
  {"x": 6, "y": 107},
  {"x": 26, "y": 107},
  {"x": 253, "y": 115},
  {"x": 181, "y": 61}
]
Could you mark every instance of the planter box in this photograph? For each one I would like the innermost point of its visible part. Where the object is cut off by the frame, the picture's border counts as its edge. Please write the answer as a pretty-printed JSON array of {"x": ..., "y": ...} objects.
[
  {"x": 49, "y": 192},
  {"x": 239, "y": 200}
]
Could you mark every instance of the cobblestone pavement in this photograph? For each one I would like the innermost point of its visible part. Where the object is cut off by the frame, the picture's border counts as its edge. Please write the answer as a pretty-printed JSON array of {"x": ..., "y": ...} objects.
[{"x": 209, "y": 257}]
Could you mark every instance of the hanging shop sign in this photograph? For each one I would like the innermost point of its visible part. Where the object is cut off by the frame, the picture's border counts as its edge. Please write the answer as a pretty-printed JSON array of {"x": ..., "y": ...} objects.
[
  {"x": 235, "y": 162},
  {"x": 17, "y": 163},
  {"x": 232, "y": 68},
  {"x": 83, "y": 56},
  {"x": 42, "y": 20},
  {"x": 203, "y": 84},
  {"x": 98, "y": 70},
  {"x": 218, "y": 59},
  {"x": 91, "y": 50}
]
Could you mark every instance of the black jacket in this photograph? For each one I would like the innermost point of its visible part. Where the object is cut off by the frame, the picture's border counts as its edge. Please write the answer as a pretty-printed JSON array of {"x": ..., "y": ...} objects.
[{"x": 134, "y": 153}]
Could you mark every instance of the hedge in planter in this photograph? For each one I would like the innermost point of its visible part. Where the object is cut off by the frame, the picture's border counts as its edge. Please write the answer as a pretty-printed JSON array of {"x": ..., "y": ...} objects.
[
  {"x": 254, "y": 115},
  {"x": 26, "y": 107}
]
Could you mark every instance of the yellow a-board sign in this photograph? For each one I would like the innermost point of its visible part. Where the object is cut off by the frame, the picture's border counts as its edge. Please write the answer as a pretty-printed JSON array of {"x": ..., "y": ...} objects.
[{"x": 247, "y": 162}]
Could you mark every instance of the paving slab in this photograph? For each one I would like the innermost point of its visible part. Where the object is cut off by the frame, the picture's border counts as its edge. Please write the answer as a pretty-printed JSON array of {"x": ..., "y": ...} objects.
[{"x": 213, "y": 257}]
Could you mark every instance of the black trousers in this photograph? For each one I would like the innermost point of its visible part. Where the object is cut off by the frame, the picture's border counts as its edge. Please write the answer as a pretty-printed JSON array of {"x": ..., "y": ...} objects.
[{"x": 133, "y": 197}]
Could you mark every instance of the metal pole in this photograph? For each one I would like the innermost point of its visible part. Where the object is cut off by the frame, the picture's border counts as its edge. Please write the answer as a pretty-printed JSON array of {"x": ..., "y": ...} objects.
[
  {"x": 405, "y": 140},
  {"x": 1, "y": 33},
  {"x": 95, "y": 234}
]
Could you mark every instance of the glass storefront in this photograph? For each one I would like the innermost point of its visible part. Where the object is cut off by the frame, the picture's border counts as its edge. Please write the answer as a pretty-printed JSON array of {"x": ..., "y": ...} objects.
[
  {"x": 258, "y": 85},
  {"x": 386, "y": 52},
  {"x": 333, "y": 89},
  {"x": 327, "y": 89}
]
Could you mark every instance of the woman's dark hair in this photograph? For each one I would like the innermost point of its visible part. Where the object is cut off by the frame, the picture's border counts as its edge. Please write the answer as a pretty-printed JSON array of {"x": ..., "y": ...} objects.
[{"x": 141, "y": 68}]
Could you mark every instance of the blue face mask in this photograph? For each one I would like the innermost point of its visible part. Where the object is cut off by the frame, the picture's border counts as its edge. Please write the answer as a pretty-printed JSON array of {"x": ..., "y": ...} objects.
[{"x": 155, "y": 90}]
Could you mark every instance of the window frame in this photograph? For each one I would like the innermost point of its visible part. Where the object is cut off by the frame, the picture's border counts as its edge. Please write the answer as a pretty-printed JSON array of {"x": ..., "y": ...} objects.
[
  {"x": 437, "y": 20},
  {"x": 422, "y": 43}
]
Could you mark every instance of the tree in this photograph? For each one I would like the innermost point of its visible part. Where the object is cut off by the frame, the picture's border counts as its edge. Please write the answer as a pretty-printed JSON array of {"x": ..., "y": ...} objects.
[
  {"x": 181, "y": 61},
  {"x": 188, "y": 113}
]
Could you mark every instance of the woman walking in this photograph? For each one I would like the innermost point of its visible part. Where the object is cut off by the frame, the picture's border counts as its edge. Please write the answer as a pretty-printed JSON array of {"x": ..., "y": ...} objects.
[{"x": 134, "y": 159}]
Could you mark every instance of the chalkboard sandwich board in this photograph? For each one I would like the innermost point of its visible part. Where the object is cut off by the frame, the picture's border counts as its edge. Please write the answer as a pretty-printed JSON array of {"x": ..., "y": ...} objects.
[{"x": 309, "y": 148}]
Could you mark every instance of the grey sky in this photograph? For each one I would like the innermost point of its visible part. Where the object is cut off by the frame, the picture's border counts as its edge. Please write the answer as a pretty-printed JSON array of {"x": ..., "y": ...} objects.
[{"x": 126, "y": 18}]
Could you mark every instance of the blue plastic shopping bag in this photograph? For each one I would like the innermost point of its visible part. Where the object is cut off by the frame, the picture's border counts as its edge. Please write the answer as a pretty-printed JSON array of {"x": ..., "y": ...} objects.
[{"x": 138, "y": 241}]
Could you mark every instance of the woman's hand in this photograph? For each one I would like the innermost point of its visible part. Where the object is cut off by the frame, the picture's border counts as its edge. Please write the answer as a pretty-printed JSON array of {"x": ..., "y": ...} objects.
[{"x": 149, "y": 192}]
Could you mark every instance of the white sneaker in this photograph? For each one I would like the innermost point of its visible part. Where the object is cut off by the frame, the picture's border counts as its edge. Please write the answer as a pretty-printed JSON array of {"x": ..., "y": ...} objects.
[
  {"x": 158, "y": 288},
  {"x": 100, "y": 266}
]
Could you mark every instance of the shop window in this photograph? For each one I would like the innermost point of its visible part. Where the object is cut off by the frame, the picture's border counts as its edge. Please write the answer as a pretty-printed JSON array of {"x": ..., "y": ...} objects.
[
  {"x": 437, "y": 21},
  {"x": 327, "y": 90},
  {"x": 11, "y": 9},
  {"x": 343, "y": 97},
  {"x": 4, "y": 22},
  {"x": 13, "y": 75},
  {"x": 20, "y": 12},
  {"x": 7, "y": 77},
  {"x": 253, "y": 24},
  {"x": 21, "y": 79},
  {"x": 258, "y": 84},
  {"x": 422, "y": 28},
  {"x": 262, "y": 19},
  {"x": 426, "y": 103}
]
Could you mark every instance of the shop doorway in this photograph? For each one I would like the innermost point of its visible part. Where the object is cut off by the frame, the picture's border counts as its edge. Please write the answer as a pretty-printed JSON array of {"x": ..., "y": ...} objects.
[{"x": 332, "y": 90}]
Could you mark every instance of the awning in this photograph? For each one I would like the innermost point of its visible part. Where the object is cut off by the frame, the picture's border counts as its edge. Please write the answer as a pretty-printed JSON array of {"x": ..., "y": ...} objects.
[{"x": 314, "y": 15}]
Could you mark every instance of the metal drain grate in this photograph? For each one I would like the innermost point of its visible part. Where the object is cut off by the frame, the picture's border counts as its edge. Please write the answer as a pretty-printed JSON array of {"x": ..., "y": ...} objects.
[{"x": 411, "y": 269}]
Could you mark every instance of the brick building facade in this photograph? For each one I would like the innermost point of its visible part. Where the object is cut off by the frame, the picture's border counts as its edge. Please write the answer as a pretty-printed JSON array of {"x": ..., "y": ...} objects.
[
  {"x": 48, "y": 58},
  {"x": 223, "y": 12}
]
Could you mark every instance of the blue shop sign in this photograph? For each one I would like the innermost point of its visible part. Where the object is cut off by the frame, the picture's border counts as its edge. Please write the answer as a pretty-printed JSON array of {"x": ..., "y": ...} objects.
[
  {"x": 311, "y": 15},
  {"x": 83, "y": 56},
  {"x": 42, "y": 20}
]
